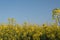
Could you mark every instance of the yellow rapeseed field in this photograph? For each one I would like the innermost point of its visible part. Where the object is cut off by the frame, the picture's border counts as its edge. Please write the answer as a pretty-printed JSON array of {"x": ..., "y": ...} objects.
[{"x": 29, "y": 32}]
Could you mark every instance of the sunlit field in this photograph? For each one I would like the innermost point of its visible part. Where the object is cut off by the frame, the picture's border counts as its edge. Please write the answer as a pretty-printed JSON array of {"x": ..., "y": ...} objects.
[
  {"x": 27, "y": 31},
  {"x": 29, "y": 19}
]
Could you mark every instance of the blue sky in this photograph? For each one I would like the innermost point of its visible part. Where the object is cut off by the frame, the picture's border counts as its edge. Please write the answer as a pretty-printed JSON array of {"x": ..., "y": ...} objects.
[{"x": 33, "y": 11}]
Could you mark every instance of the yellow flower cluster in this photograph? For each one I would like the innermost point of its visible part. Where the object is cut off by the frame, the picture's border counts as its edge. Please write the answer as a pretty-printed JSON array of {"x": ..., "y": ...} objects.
[
  {"x": 29, "y": 32},
  {"x": 57, "y": 11}
]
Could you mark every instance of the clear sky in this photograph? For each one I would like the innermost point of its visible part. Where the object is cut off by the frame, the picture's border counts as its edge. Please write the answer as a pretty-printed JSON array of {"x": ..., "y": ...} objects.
[{"x": 34, "y": 11}]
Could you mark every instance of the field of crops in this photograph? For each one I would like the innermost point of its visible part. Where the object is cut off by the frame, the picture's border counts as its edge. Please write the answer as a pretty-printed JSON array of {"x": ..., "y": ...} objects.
[{"x": 29, "y": 32}]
